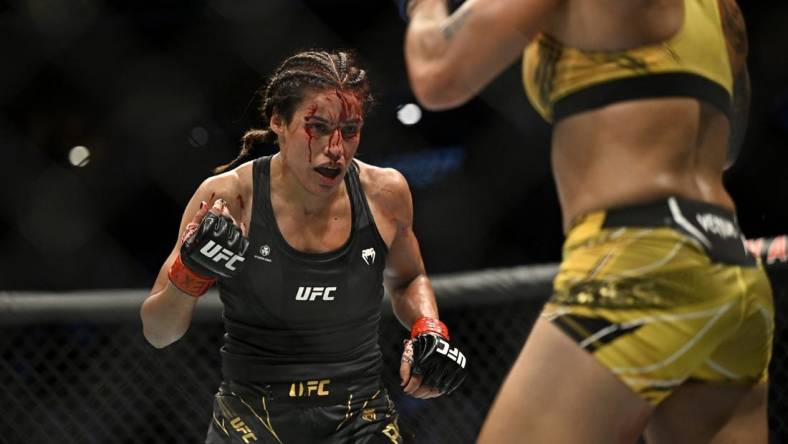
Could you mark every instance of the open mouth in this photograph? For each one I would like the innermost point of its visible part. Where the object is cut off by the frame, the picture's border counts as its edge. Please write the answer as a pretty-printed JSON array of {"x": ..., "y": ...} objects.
[{"x": 328, "y": 172}]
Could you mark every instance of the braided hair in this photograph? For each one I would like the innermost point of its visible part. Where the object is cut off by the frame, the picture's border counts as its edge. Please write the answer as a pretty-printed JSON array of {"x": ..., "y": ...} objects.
[{"x": 298, "y": 75}]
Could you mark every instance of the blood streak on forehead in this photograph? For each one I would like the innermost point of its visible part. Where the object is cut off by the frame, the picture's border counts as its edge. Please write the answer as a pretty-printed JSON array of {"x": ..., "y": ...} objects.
[
  {"x": 350, "y": 109},
  {"x": 351, "y": 106}
]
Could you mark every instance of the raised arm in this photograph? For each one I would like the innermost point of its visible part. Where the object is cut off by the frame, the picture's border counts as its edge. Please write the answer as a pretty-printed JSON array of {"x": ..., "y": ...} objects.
[
  {"x": 450, "y": 58},
  {"x": 166, "y": 313}
]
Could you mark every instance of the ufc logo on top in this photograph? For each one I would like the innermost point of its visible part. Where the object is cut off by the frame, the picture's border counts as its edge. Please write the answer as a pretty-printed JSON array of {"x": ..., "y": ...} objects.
[{"x": 312, "y": 293}]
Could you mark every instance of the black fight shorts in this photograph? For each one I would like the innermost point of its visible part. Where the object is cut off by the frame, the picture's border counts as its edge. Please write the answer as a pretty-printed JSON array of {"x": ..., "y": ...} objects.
[{"x": 304, "y": 412}]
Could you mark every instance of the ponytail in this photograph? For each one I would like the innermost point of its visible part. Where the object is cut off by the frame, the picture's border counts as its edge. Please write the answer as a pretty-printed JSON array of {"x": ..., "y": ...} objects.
[
  {"x": 303, "y": 72},
  {"x": 250, "y": 148}
]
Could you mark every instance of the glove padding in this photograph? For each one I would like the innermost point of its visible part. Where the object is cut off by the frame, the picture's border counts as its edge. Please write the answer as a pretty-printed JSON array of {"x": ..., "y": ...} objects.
[
  {"x": 215, "y": 247},
  {"x": 440, "y": 365},
  {"x": 403, "y": 6}
]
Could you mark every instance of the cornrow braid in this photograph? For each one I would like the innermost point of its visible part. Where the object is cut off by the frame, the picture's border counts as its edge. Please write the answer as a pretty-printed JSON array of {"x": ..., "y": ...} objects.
[
  {"x": 343, "y": 65},
  {"x": 298, "y": 75}
]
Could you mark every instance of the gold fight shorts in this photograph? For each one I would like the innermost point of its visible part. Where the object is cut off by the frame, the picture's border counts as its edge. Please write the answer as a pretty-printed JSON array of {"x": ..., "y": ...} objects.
[{"x": 665, "y": 292}]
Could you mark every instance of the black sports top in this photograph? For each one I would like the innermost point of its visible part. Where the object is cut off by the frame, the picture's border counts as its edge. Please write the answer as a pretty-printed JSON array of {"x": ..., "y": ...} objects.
[{"x": 292, "y": 315}]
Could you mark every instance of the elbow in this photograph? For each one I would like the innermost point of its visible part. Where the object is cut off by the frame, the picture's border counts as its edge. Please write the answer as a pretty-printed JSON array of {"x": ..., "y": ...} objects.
[
  {"x": 157, "y": 341},
  {"x": 157, "y": 336},
  {"x": 437, "y": 87}
]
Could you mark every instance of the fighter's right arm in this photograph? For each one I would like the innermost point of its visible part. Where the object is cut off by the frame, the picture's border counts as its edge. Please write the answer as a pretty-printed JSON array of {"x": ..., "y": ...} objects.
[
  {"x": 451, "y": 57},
  {"x": 166, "y": 313}
]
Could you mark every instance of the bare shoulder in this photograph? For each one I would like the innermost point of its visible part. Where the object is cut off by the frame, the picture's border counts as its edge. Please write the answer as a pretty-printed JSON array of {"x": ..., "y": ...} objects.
[
  {"x": 387, "y": 188},
  {"x": 229, "y": 185}
]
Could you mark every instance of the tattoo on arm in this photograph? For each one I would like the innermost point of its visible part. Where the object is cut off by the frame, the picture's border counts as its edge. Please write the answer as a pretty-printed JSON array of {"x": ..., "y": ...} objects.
[
  {"x": 734, "y": 27},
  {"x": 456, "y": 21}
]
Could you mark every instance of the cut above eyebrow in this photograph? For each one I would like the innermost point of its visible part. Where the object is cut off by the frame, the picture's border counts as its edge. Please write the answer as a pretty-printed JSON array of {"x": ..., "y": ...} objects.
[{"x": 324, "y": 120}]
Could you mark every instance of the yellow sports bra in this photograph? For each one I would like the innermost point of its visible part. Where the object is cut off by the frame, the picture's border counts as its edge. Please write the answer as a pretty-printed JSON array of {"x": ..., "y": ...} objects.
[{"x": 562, "y": 81}]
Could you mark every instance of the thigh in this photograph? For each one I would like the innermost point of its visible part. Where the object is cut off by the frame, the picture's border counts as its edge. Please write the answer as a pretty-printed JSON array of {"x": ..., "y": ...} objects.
[
  {"x": 726, "y": 402},
  {"x": 558, "y": 393},
  {"x": 708, "y": 413}
]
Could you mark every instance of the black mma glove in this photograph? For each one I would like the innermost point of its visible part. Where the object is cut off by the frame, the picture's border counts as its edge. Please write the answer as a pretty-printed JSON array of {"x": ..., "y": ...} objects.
[
  {"x": 216, "y": 248},
  {"x": 212, "y": 249},
  {"x": 440, "y": 365}
]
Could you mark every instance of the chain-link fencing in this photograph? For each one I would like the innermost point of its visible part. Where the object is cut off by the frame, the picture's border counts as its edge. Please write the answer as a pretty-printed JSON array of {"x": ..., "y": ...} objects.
[{"x": 92, "y": 378}]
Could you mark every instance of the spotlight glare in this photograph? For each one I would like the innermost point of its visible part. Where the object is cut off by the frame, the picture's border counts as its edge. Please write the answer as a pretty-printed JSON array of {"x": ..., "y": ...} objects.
[
  {"x": 409, "y": 114},
  {"x": 79, "y": 156}
]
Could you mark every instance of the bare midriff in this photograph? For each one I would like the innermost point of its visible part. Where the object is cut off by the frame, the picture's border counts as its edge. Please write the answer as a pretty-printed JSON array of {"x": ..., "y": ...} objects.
[{"x": 640, "y": 151}]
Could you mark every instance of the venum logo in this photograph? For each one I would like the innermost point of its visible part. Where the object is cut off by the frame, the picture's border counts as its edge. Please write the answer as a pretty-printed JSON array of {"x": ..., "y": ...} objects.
[
  {"x": 216, "y": 253},
  {"x": 368, "y": 255},
  {"x": 312, "y": 293},
  {"x": 711, "y": 223}
]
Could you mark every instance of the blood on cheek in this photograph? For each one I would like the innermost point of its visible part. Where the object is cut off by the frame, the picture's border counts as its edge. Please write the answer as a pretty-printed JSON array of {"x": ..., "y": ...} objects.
[
  {"x": 350, "y": 107},
  {"x": 312, "y": 111},
  {"x": 335, "y": 137}
]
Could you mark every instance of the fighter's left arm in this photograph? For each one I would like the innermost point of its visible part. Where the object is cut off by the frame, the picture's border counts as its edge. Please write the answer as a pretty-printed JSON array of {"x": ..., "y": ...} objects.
[
  {"x": 406, "y": 279},
  {"x": 430, "y": 365}
]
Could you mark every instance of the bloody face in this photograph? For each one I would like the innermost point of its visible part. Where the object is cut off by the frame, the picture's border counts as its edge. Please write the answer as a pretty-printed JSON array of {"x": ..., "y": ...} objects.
[{"x": 322, "y": 138}]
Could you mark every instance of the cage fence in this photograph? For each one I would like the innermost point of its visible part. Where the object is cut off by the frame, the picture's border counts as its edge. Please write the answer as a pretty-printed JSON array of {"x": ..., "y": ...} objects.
[{"x": 76, "y": 369}]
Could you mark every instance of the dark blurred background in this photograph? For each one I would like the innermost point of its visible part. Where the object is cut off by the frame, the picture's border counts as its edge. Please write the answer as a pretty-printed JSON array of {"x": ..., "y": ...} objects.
[{"x": 159, "y": 93}]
